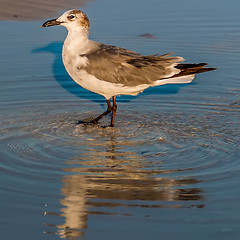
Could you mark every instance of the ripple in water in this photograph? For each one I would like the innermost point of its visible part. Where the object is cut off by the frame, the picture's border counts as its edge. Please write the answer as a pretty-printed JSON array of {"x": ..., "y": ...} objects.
[
  {"x": 172, "y": 160},
  {"x": 146, "y": 162}
]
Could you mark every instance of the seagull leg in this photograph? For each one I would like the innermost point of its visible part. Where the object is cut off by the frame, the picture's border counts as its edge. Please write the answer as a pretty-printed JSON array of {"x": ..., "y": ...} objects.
[
  {"x": 114, "y": 109},
  {"x": 109, "y": 109}
]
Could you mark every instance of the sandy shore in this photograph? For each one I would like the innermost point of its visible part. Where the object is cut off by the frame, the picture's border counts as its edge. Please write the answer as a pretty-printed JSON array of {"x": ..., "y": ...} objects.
[{"x": 25, "y": 10}]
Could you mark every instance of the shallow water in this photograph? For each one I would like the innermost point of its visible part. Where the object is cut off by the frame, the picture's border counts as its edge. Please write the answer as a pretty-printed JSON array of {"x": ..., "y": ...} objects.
[{"x": 169, "y": 168}]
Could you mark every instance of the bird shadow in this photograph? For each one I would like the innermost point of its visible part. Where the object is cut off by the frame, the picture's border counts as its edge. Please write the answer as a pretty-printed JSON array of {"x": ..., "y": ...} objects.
[
  {"x": 68, "y": 84},
  {"x": 62, "y": 77}
]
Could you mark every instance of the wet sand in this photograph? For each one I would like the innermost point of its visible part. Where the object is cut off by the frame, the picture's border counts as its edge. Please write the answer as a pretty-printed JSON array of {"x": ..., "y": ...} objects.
[{"x": 35, "y": 9}]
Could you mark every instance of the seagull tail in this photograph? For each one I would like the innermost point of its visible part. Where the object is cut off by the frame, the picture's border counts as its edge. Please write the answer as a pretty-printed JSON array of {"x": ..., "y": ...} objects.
[
  {"x": 186, "y": 74},
  {"x": 189, "y": 69}
]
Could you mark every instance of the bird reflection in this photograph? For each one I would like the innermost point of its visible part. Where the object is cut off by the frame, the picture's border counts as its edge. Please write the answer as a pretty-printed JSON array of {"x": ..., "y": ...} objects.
[
  {"x": 74, "y": 207},
  {"x": 106, "y": 179}
]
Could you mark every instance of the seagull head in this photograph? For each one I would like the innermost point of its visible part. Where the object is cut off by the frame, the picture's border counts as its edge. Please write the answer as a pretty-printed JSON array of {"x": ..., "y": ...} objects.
[{"x": 72, "y": 20}]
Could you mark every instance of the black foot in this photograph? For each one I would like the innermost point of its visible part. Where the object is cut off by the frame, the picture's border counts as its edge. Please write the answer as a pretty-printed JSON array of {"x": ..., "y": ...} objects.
[
  {"x": 90, "y": 121},
  {"x": 108, "y": 126},
  {"x": 86, "y": 121}
]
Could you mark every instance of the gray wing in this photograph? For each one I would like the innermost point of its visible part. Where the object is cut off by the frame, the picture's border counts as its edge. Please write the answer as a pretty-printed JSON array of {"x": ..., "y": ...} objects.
[{"x": 119, "y": 65}]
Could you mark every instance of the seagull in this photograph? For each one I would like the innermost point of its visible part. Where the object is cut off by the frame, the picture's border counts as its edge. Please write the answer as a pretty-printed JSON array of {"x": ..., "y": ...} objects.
[{"x": 112, "y": 71}]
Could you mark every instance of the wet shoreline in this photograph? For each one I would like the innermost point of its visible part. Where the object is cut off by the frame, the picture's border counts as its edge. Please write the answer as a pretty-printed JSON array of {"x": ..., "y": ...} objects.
[{"x": 35, "y": 9}]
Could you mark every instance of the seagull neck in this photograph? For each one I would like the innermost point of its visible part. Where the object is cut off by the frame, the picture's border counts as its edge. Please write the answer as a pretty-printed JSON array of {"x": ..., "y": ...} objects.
[
  {"x": 78, "y": 35},
  {"x": 76, "y": 42}
]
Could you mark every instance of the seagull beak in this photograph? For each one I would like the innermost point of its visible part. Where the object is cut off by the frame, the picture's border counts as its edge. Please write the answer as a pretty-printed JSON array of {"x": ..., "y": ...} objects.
[{"x": 51, "y": 23}]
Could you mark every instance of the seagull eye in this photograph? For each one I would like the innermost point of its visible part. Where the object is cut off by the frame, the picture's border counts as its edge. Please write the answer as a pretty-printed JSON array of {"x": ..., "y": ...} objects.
[{"x": 71, "y": 17}]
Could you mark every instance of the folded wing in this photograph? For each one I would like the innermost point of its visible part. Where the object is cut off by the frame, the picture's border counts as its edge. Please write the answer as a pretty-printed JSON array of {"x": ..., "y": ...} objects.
[{"x": 119, "y": 65}]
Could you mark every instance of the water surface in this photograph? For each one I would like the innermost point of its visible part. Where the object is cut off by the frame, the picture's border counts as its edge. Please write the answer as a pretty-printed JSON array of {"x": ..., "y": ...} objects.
[{"x": 169, "y": 168}]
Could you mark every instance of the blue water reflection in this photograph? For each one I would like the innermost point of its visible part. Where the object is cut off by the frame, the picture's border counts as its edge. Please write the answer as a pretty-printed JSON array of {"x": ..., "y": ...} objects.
[{"x": 169, "y": 168}]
